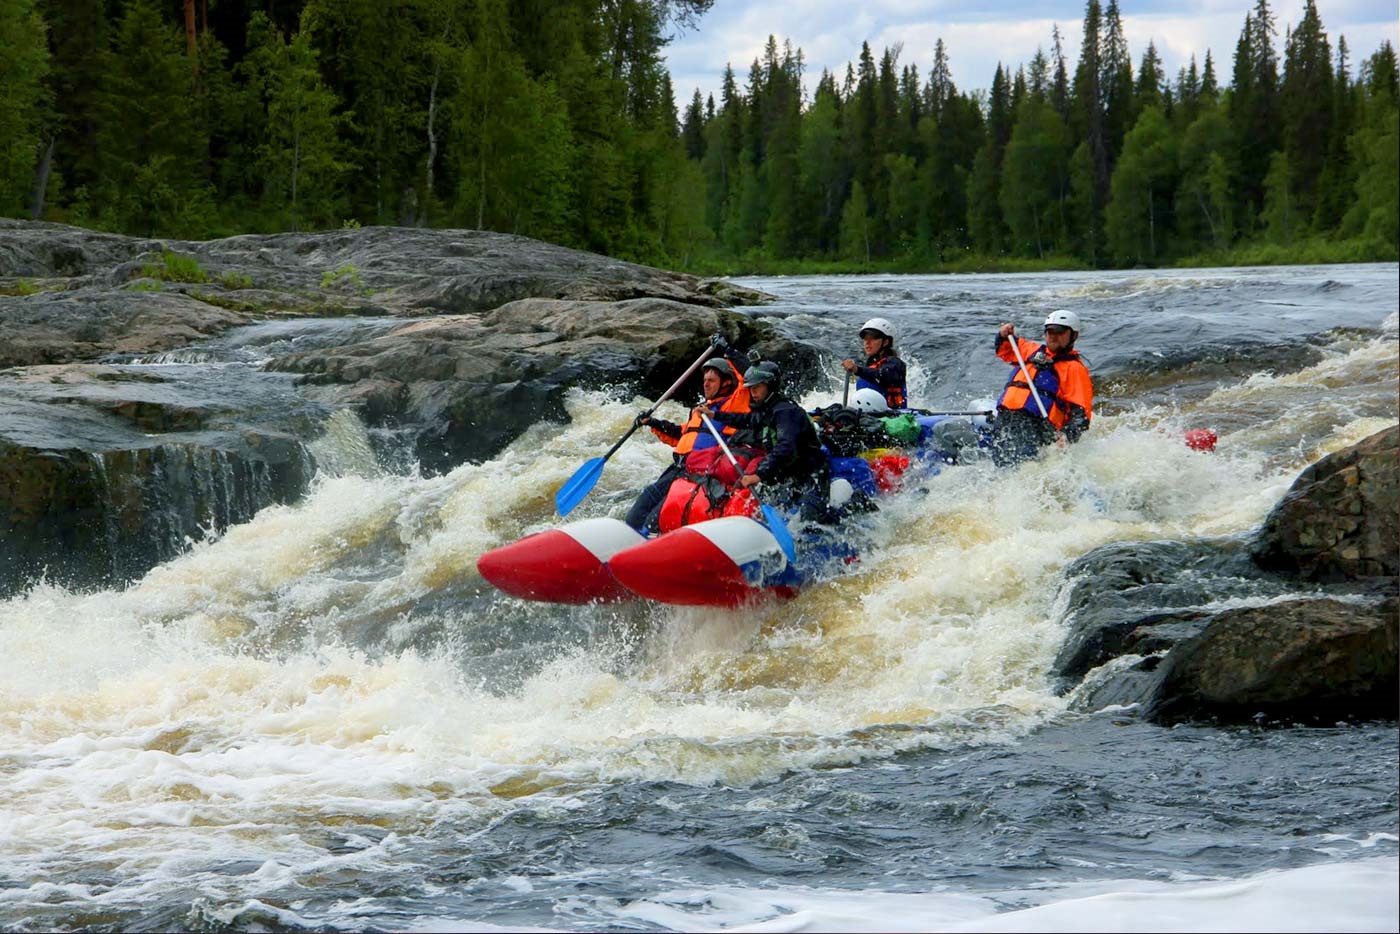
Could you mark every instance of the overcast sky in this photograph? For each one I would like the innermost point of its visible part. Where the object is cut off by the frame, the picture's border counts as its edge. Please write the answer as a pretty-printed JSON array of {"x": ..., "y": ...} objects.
[{"x": 830, "y": 32}]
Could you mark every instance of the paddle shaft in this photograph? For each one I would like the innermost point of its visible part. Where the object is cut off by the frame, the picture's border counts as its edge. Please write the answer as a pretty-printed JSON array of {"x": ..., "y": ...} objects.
[
  {"x": 720, "y": 438},
  {"x": 1016, "y": 349},
  {"x": 846, "y": 391}
]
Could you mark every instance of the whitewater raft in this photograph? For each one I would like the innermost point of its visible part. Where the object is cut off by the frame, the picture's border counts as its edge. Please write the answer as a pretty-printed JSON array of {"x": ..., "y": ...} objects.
[{"x": 728, "y": 561}]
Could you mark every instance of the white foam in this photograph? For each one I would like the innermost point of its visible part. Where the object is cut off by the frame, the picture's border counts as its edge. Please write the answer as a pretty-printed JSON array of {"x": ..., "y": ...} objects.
[{"x": 1349, "y": 896}]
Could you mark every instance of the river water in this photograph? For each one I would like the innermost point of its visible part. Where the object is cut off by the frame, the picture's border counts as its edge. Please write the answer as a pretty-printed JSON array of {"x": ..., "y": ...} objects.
[{"x": 325, "y": 720}]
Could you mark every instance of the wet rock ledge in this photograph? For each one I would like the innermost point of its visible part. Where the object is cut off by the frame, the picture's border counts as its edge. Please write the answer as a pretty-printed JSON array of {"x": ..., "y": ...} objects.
[
  {"x": 111, "y": 464},
  {"x": 1298, "y": 623}
]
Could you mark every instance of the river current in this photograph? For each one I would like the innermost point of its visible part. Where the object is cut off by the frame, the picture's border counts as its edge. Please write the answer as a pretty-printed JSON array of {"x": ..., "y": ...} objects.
[{"x": 324, "y": 719}]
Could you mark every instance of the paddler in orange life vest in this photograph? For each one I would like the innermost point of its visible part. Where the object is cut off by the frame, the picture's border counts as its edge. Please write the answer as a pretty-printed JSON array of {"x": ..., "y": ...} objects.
[
  {"x": 1062, "y": 381},
  {"x": 883, "y": 370},
  {"x": 722, "y": 382}
]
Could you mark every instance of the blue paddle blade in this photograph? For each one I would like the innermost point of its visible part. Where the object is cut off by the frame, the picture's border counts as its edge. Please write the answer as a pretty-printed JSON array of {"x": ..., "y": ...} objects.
[
  {"x": 576, "y": 487},
  {"x": 779, "y": 528}
]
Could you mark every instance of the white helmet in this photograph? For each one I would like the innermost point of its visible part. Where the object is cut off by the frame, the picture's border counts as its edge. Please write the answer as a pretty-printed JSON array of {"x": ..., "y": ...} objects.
[
  {"x": 1064, "y": 318},
  {"x": 879, "y": 326},
  {"x": 869, "y": 400}
]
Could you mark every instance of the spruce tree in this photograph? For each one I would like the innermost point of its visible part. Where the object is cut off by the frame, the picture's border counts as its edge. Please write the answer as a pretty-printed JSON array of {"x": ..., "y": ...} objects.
[
  {"x": 24, "y": 102},
  {"x": 1307, "y": 105},
  {"x": 1116, "y": 82},
  {"x": 1087, "y": 121},
  {"x": 152, "y": 145}
]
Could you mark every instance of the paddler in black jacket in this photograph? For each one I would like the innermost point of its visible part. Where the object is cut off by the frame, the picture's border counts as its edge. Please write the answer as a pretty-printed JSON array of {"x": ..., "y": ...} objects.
[{"x": 795, "y": 466}]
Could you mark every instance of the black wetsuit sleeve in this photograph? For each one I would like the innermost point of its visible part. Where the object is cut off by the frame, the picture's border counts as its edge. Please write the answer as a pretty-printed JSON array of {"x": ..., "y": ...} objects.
[
  {"x": 669, "y": 429},
  {"x": 739, "y": 419},
  {"x": 788, "y": 424},
  {"x": 1078, "y": 422},
  {"x": 740, "y": 359}
]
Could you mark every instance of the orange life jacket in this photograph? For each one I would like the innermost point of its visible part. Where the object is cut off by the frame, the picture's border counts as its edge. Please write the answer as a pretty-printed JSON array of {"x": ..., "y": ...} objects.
[
  {"x": 694, "y": 434},
  {"x": 1066, "y": 382}
]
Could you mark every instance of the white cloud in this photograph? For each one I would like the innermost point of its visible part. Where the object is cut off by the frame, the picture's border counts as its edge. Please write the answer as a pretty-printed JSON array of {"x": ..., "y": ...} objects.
[{"x": 1007, "y": 31}]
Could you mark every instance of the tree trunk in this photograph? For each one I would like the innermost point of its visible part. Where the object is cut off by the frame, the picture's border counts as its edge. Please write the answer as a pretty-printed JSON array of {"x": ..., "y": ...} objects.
[
  {"x": 41, "y": 180},
  {"x": 1210, "y": 221},
  {"x": 1151, "y": 226},
  {"x": 189, "y": 29},
  {"x": 432, "y": 145}
]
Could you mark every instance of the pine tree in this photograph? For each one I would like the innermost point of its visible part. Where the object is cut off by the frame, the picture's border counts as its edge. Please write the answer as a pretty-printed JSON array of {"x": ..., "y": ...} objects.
[
  {"x": 1116, "y": 83},
  {"x": 298, "y": 158},
  {"x": 1335, "y": 186},
  {"x": 1059, "y": 82},
  {"x": 1307, "y": 103},
  {"x": 1280, "y": 202},
  {"x": 1375, "y": 148},
  {"x": 24, "y": 101},
  {"x": 153, "y": 148},
  {"x": 940, "y": 82},
  {"x": 1087, "y": 121},
  {"x": 1254, "y": 104},
  {"x": 984, "y": 223},
  {"x": 1151, "y": 81},
  {"x": 821, "y": 169},
  {"x": 1081, "y": 205},
  {"x": 693, "y": 130},
  {"x": 999, "y": 116}
]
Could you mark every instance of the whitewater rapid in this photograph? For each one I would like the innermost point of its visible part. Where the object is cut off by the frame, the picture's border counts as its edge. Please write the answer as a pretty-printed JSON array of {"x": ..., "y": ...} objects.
[{"x": 292, "y": 705}]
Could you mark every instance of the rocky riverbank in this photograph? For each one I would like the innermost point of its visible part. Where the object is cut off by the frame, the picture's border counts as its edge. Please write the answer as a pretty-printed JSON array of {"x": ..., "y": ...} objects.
[
  {"x": 1217, "y": 629},
  {"x": 468, "y": 337}
]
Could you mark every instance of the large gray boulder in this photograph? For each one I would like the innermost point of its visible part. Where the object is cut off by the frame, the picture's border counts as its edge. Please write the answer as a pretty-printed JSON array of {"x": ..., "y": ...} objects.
[
  {"x": 467, "y": 385},
  {"x": 1310, "y": 659},
  {"x": 1341, "y": 517},
  {"x": 1297, "y": 622}
]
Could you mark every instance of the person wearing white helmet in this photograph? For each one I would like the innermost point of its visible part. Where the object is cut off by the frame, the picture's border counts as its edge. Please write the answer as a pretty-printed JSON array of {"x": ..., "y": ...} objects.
[
  {"x": 1062, "y": 406},
  {"x": 883, "y": 370}
]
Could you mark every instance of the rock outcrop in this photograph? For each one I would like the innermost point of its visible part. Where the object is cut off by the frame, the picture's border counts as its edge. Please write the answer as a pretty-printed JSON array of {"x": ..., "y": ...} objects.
[
  {"x": 469, "y": 384},
  {"x": 1298, "y": 623},
  {"x": 1341, "y": 517},
  {"x": 110, "y": 468}
]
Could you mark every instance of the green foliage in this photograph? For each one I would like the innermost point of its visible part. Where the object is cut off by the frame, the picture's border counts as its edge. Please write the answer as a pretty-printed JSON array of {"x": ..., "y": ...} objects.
[
  {"x": 556, "y": 119},
  {"x": 298, "y": 162},
  {"x": 21, "y": 287},
  {"x": 1375, "y": 215},
  {"x": 153, "y": 147},
  {"x": 1136, "y": 216},
  {"x": 235, "y": 280},
  {"x": 1280, "y": 202},
  {"x": 857, "y": 227},
  {"x": 345, "y": 278},
  {"x": 1204, "y": 204},
  {"x": 175, "y": 267},
  {"x": 1033, "y": 179},
  {"x": 24, "y": 99}
]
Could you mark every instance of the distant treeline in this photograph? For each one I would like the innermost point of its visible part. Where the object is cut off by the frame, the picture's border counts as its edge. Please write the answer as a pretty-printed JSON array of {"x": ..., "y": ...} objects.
[{"x": 556, "y": 119}]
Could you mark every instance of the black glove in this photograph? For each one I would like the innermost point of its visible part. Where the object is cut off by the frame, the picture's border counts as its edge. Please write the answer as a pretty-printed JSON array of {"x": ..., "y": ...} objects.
[
  {"x": 719, "y": 342},
  {"x": 641, "y": 420}
]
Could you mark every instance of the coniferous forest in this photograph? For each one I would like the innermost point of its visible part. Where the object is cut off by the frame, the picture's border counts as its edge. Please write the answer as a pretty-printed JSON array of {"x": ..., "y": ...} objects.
[{"x": 556, "y": 119}]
